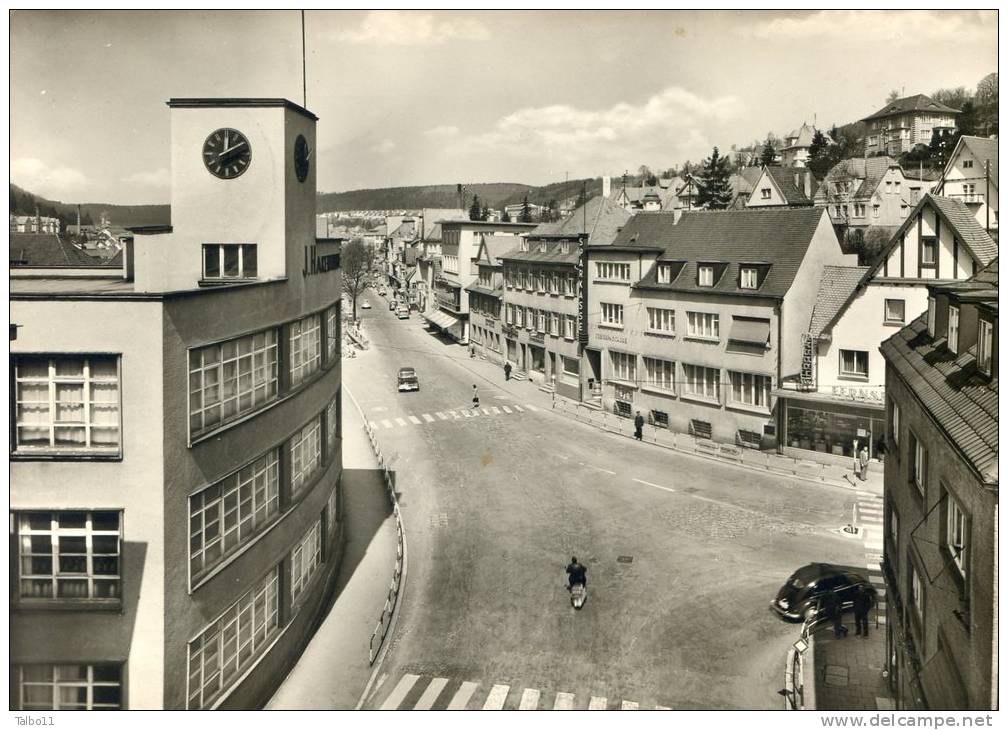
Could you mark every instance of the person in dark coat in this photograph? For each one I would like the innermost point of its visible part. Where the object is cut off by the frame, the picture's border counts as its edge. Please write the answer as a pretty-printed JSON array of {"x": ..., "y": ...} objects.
[
  {"x": 638, "y": 424},
  {"x": 507, "y": 371},
  {"x": 576, "y": 574},
  {"x": 863, "y": 602},
  {"x": 475, "y": 397},
  {"x": 829, "y": 609}
]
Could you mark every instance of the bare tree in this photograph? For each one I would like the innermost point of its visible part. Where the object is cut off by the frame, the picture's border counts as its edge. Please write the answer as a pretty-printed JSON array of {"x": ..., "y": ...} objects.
[{"x": 356, "y": 262}]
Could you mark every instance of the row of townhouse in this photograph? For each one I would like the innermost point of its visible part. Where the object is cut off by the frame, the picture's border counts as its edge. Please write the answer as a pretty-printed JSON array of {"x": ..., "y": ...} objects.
[{"x": 175, "y": 441}]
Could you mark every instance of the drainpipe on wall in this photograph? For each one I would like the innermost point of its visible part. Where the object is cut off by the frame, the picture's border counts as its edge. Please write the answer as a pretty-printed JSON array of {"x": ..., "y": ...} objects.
[{"x": 778, "y": 310}]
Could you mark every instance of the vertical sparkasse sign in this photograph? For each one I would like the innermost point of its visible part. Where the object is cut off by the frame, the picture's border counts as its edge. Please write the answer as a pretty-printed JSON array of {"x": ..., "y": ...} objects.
[{"x": 582, "y": 292}]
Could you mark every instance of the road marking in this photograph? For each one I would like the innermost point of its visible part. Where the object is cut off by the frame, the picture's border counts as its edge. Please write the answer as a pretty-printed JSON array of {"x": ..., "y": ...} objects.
[
  {"x": 500, "y": 397},
  {"x": 468, "y": 414},
  {"x": 529, "y": 700},
  {"x": 429, "y": 418},
  {"x": 430, "y": 694},
  {"x": 374, "y": 425},
  {"x": 415, "y": 420},
  {"x": 386, "y": 423},
  {"x": 495, "y": 409},
  {"x": 598, "y": 703},
  {"x": 656, "y": 486},
  {"x": 564, "y": 701},
  {"x": 487, "y": 411},
  {"x": 627, "y": 705},
  {"x": 531, "y": 407},
  {"x": 495, "y": 700},
  {"x": 442, "y": 416},
  {"x": 454, "y": 415},
  {"x": 599, "y": 468},
  {"x": 400, "y": 691},
  {"x": 400, "y": 421},
  {"x": 506, "y": 409},
  {"x": 563, "y": 457},
  {"x": 462, "y": 697},
  {"x": 519, "y": 408},
  {"x": 379, "y": 409}
]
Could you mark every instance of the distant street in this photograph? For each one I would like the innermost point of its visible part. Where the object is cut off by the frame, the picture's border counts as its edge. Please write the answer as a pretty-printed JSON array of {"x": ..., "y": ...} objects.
[{"x": 683, "y": 554}]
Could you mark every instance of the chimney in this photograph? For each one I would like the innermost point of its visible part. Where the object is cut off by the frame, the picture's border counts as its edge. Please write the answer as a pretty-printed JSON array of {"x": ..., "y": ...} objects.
[
  {"x": 129, "y": 264},
  {"x": 606, "y": 186}
]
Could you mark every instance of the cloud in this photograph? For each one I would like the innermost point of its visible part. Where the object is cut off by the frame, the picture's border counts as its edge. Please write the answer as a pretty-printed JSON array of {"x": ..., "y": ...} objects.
[
  {"x": 159, "y": 178},
  {"x": 385, "y": 147},
  {"x": 38, "y": 177},
  {"x": 410, "y": 28},
  {"x": 672, "y": 125},
  {"x": 861, "y": 26},
  {"x": 442, "y": 131}
]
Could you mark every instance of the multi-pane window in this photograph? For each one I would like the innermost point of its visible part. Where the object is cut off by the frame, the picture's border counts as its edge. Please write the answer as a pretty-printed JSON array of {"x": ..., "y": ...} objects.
[
  {"x": 69, "y": 687},
  {"x": 919, "y": 472},
  {"x": 859, "y": 210},
  {"x": 661, "y": 320},
  {"x": 569, "y": 327},
  {"x": 305, "y": 560},
  {"x": 916, "y": 591},
  {"x": 67, "y": 403},
  {"x": 967, "y": 164},
  {"x": 705, "y": 275},
  {"x": 569, "y": 285},
  {"x": 229, "y": 261},
  {"x": 226, "y": 515},
  {"x": 985, "y": 344},
  {"x": 305, "y": 453},
  {"x": 765, "y": 193},
  {"x": 305, "y": 355},
  {"x": 541, "y": 321},
  {"x": 231, "y": 378},
  {"x": 854, "y": 363},
  {"x": 895, "y": 421},
  {"x": 750, "y": 389},
  {"x": 953, "y": 329},
  {"x": 664, "y": 273},
  {"x": 612, "y": 314},
  {"x": 332, "y": 332},
  {"x": 612, "y": 271},
  {"x": 332, "y": 507},
  {"x": 332, "y": 425},
  {"x": 702, "y": 381},
  {"x": 554, "y": 324},
  {"x": 929, "y": 247},
  {"x": 555, "y": 283},
  {"x": 69, "y": 555},
  {"x": 232, "y": 642},
  {"x": 931, "y": 316},
  {"x": 893, "y": 526},
  {"x": 895, "y": 310},
  {"x": 624, "y": 366},
  {"x": 660, "y": 373},
  {"x": 702, "y": 324},
  {"x": 955, "y": 533},
  {"x": 748, "y": 277}
]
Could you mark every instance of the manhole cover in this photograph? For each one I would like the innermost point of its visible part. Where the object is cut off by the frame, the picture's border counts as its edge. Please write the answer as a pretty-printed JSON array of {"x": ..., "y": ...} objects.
[{"x": 624, "y": 559}]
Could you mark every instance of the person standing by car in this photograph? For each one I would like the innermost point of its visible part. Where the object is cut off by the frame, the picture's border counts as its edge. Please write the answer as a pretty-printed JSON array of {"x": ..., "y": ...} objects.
[
  {"x": 507, "y": 370},
  {"x": 863, "y": 602},
  {"x": 830, "y": 610},
  {"x": 638, "y": 425}
]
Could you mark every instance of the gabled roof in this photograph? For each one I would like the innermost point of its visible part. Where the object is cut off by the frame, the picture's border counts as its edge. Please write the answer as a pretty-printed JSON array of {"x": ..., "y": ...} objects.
[
  {"x": 836, "y": 288},
  {"x": 601, "y": 218},
  {"x": 802, "y": 137},
  {"x": 790, "y": 190},
  {"x": 492, "y": 248},
  {"x": 774, "y": 238},
  {"x": 915, "y": 103},
  {"x": 982, "y": 149},
  {"x": 869, "y": 171},
  {"x": 46, "y": 249},
  {"x": 959, "y": 399}
]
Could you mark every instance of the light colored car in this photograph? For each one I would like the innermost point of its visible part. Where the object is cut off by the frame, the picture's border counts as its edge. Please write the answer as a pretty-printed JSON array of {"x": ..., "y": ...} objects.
[
  {"x": 407, "y": 380},
  {"x": 402, "y": 312},
  {"x": 365, "y": 304}
]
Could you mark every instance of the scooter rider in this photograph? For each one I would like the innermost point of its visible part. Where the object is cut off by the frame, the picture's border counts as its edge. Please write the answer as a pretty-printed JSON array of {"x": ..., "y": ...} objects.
[{"x": 576, "y": 574}]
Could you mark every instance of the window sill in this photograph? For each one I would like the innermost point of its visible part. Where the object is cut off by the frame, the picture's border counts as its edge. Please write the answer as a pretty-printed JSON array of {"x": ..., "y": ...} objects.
[
  {"x": 893, "y": 323},
  {"x": 660, "y": 333},
  {"x": 609, "y": 326},
  {"x": 624, "y": 282},
  {"x": 658, "y": 391},
  {"x": 700, "y": 399},
  {"x": 97, "y": 605},
  {"x": 623, "y": 383},
  {"x": 64, "y": 456},
  {"x": 223, "y": 281},
  {"x": 746, "y": 408},
  {"x": 854, "y": 377},
  {"x": 700, "y": 338}
]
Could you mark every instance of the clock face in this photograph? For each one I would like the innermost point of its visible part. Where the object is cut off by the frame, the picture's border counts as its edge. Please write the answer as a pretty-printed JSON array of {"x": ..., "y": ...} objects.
[
  {"x": 301, "y": 155},
  {"x": 227, "y": 153}
]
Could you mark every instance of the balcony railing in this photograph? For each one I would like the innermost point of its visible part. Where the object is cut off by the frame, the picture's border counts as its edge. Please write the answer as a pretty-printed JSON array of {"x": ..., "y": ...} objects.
[{"x": 967, "y": 197}]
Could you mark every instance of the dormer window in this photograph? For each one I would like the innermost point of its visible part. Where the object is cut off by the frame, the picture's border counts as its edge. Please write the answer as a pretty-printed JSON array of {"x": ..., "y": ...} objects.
[
  {"x": 229, "y": 261},
  {"x": 665, "y": 273},
  {"x": 765, "y": 193},
  {"x": 523, "y": 246},
  {"x": 705, "y": 275},
  {"x": 542, "y": 247},
  {"x": 985, "y": 345},
  {"x": 749, "y": 277},
  {"x": 565, "y": 247},
  {"x": 953, "y": 329}
]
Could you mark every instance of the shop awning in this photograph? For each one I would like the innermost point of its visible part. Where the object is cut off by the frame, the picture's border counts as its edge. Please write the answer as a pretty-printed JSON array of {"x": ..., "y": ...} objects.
[
  {"x": 440, "y": 319},
  {"x": 411, "y": 275},
  {"x": 870, "y": 398},
  {"x": 754, "y": 331},
  {"x": 449, "y": 282}
]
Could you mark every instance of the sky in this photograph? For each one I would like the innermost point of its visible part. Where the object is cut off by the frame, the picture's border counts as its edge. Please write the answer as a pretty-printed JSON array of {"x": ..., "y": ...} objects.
[{"x": 440, "y": 97}]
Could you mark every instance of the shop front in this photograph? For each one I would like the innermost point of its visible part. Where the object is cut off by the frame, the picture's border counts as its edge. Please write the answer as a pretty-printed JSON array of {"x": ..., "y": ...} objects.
[{"x": 830, "y": 429}]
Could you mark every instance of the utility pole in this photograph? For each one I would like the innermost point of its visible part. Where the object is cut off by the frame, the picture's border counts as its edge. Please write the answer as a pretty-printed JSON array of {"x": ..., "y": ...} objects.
[{"x": 987, "y": 192}]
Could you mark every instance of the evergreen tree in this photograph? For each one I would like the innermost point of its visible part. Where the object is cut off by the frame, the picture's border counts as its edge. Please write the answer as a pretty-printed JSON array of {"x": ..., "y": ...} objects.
[
  {"x": 474, "y": 209},
  {"x": 714, "y": 191},
  {"x": 505, "y": 218},
  {"x": 526, "y": 214},
  {"x": 821, "y": 158},
  {"x": 768, "y": 155}
]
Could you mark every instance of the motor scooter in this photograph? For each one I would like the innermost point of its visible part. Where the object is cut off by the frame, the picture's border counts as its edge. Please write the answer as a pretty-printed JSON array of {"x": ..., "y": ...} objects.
[{"x": 579, "y": 593}]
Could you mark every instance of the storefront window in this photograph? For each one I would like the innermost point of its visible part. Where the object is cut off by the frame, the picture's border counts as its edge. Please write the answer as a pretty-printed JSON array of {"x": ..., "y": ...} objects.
[{"x": 833, "y": 432}]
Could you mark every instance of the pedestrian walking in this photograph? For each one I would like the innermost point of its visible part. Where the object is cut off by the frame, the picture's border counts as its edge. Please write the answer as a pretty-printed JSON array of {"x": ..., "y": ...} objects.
[
  {"x": 863, "y": 461},
  {"x": 507, "y": 370},
  {"x": 472, "y": 351},
  {"x": 475, "y": 397},
  {"x": 829, "y": 610},
  {"x": 638, "y": 424},
  {"x": 863, "y": 602}
]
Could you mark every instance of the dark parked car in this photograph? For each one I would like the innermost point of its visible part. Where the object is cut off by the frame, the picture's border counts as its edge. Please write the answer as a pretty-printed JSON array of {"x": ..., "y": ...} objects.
[
  {"x": 407, "y": 380},
  {"x": 799, "y": 597}
]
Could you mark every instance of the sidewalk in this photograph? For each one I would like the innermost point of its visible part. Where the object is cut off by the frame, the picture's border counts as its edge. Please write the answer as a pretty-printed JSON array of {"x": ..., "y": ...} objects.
[
  {"x": 848, "y": 671},
  {"x": 752, "y": 459},
  {"x": 334, "y": 668}
]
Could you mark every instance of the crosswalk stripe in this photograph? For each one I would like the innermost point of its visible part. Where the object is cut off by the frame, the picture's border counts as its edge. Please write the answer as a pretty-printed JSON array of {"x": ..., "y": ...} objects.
[
  {"x": 598, "y": 703},
  {"x": 529, "y": 700},
  {"x": 374, "y": 425},
  {"x": 400, "y": 421},
  {"x": 662, "y": 707},
  {"x": 531, "y": 407},
  {"x": 468, "y": 414},
  {"x": 506, "y": 409},
  {"x": 400, "y": 691},
  {"x": 442, "y": 416},
  {"x": 487, "y": 411},
  {"x": 495, "y": 700},
  {"x": 564, "y": 701},
  {"x": 519, "y": 408},
  {"x": 428, "y": 417},
  {"x": 386, "y": 423},
  {"x": 430, "y": 694},
  {"x": 495, "y": 410},
  {"x": 454, "y": 415},
  {"x": 627, "y": 705},
  {"x": 462, "y": 696},
  {"x": 414, "y": 420}
]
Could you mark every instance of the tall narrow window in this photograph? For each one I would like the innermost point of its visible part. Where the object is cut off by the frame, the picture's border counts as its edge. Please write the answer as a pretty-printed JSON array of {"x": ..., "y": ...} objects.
[
  {"x": 956, "y": 535},
  {"x": 985, "y": 345},
  {"x": 305, "y": 560},
  {"x": 919, "y": 474},
  {"x": 916, "y": 592},
  {"x": 305, "y": 454},
  {"x": 332, "y": 332},
  {"x": 895, "y": 424},
  {"x": 953, "y": 329},
  {"x": 929, "y": 250}
]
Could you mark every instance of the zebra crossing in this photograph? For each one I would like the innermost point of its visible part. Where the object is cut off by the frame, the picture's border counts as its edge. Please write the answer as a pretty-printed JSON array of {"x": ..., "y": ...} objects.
[
  {"x": 454, "y": 414},
  {"x": 419, "y": 692},
  {"x": 868, "y": 515}
]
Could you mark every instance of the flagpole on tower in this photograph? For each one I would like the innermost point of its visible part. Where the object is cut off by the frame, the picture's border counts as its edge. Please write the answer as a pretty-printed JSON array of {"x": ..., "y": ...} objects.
[{"x": 304, "y": 75}]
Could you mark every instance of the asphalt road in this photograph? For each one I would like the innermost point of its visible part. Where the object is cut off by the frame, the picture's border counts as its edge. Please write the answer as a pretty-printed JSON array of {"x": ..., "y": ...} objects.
[{"x": 683, "y": 554}]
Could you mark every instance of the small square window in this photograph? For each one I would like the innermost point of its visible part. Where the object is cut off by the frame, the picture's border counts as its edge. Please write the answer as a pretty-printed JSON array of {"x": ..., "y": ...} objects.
[
  {"x": 895, "y": 311},
  {"x": 854, "y": 363}
]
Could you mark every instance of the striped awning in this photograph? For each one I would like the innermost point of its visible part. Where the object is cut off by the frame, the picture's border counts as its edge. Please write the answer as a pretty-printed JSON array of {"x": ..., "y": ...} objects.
[{"x": 440, "y": 319}]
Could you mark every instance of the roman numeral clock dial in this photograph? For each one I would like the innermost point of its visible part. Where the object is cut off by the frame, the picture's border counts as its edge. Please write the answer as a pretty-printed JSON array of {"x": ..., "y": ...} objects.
[{"x": 227, "y": 153}]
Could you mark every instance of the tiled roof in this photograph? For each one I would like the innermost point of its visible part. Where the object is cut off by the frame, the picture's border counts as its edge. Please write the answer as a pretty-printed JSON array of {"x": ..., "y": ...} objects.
[
  {"x": 960, "y": 399},
  {"x": 836, "y": 287},
  {"x": 970, "y": 231},
  {"x": 478, "y": 289},
  {"x": 551, "y": 255},
  {"x": 45, "y": 249},
  {"x": 915, "y": 103},
  {"x": 793, "y": 192},
  {"x": 775, "y": 237},
  {"x": 984, "y": 149},
  {"x": 601, "y": 218},
  {"x": 433, "y": 233},
  {"x": 802, "y": 136},
  {"x": 869, "y": 171},
  {"x": 496, "y": 246}
]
